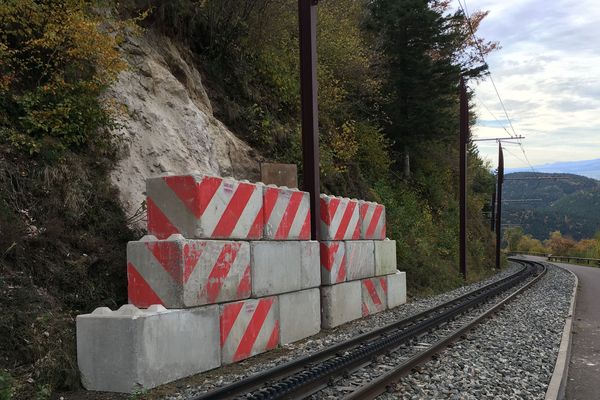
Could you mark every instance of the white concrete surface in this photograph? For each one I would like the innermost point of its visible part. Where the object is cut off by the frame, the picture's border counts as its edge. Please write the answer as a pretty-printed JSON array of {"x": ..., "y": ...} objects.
[
  {"x": 276, "y": 267},
  {"x": 310, "y": 260},
  {"x": 287, "y": 213},
  {"x": 340, "y": 303},
  {"x": 300, "y": 315},
  {"x": 360, "y": 258},
  {"x": 133, "y": 349},
  {"x": 385, "y": 257},
  {"x": 396, "y": 290}
]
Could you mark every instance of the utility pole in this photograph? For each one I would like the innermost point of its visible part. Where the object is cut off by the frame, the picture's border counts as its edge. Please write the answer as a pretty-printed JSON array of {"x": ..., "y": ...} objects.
[
  {"x": 307, "y": 12},
  {"x": 500, "y": 180},
  {"x": 464, "y": 134},
  {"x": 493, "y": 217}
]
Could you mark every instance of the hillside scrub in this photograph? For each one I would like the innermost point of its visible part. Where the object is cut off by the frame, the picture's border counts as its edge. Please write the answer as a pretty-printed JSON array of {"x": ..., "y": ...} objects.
[
  {"x": 62, "y": 230},
  {"x": 556, "y": 244},
  {"x": 63, "y": 233}
]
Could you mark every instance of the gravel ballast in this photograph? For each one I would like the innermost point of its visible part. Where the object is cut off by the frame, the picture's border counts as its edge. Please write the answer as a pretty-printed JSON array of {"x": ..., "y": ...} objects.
[
  {"x": 509, "y": 356},
  {"x": 228, "y": 374}
]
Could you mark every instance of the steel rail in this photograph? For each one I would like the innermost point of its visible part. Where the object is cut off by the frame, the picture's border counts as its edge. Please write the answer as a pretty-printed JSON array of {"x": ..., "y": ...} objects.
[
  {"x": 383, "y": 383},
  {"x": 311, "y": 373},
  {"x": 244, "y": 386}
]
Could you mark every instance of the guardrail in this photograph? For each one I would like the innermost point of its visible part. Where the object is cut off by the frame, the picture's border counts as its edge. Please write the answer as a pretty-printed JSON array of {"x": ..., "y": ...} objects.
[
  {"x": 528, "y": 253},
  {"x": 577, "y": 260}
]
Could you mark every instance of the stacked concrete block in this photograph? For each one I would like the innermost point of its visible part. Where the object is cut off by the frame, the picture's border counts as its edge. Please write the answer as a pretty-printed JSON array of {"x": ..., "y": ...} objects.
[
  {"x": 204, "y": 207},
  {"x": 131, "y": 349},
  {"x": 355, "y": 250},
  {"x": 178, "y": 272},
  {"x": 248, "y": 327},
  {"x": 236, "y": 251},
  {"x": 396, "y": 289}
]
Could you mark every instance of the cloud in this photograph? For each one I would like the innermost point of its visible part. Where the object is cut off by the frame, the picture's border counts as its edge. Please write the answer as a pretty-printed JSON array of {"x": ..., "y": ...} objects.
[{"x": 548, "y": 75}]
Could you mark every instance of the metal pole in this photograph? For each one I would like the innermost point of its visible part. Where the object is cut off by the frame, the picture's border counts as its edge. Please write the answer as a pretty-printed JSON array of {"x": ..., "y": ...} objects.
[
  {"x": 307, "y": 11},
  {"x": 464, "y": 134},
  {"x": 499, "y": 204},
  {"x": 493, "y": 218}
]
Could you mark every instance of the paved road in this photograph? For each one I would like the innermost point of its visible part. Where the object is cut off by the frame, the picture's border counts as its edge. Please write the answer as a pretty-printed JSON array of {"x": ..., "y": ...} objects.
[{"x": 584, "y": 368}]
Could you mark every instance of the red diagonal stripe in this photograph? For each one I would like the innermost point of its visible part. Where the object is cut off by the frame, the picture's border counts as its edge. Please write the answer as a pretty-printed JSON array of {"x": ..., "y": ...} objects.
[
  {"x": 254, "y": 327},
  {"x": 244, "y": 288},
  {"x": 195, "y": 195},
  {"x": 139, "y": 291},
  {"x": 191, "y": 254},
  {"x": 305, "y": 231},
  {"x": 158, "y": 223},
  {"x": 383, "y": 282},
  {"x": 363, "y": 210},
  {"x": 256, "y": 231},
  {"x": 351, "y": 205},
  {"x": 341, "y": 277},
  {"x": 289, "y": 215},
  {"x": 169, "y": 256},
  {"x": 374, "y": 221},
  {"x": 227, "y": 319},
  {"x": 365, "y": 310},
  {"x": 234, "y": 210},
  {"x": 372, "y": 291},
  {"x": 327, "y": 254},
  {"x": 328, "y": 209},
  {"x": 274, "y": 338},
  {"x": 270, "y": 199},
  {"x": 220, "y": 270}
]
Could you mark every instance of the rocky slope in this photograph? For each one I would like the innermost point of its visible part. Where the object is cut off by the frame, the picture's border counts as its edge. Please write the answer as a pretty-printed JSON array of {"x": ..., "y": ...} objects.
[{"x": 167, "y": 122}]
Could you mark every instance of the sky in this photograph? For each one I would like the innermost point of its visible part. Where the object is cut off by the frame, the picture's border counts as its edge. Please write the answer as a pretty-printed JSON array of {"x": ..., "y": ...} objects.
[{"x": 548, "y": 76}]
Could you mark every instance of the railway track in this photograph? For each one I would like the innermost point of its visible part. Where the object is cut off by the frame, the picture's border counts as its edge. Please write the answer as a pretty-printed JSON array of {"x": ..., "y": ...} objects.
[{"x": 306, "y": 376}]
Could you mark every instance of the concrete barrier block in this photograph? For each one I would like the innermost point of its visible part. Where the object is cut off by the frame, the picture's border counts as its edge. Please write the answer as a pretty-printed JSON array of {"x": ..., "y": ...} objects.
[
  {"x": 340, "y": 218},
  {"x": 286, "y": 213},
  {"x": 276, "y": 267},
  {"x": 372, "y": 216},
  {"x": 374, "y": 295},
  {"x": 385, "y": 257},
  {"x": 204, "y": 207},
  {"x": 340, "y": 303},
  {"x": 180, "y": 273},
  {"x": 360, "y": 257},
  {"x": 396, "y": 289},
  {"x": 133, "y": 349},
  {"x": 311, "y": 269},
  {"x": 248, "y": 327},
  {"x": 333, "y": 262},
  {"x": 299, "y": 314}
]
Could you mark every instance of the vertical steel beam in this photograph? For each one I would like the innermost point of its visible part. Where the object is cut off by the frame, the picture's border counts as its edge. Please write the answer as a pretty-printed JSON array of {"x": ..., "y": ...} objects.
[
  {"x": 493, "y": 208},
  {"x": 464, "y": 135},
  {"x": 499, "y": 203},
  {"x": 307, "y": 11}
]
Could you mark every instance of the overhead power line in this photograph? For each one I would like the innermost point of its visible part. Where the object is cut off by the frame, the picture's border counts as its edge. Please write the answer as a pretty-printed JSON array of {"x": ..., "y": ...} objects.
[{"x": 480, "y": 50}]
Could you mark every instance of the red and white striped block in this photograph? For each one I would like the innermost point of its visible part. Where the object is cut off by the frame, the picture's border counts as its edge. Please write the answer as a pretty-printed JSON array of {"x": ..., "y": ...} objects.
[
  {"x": 333, "y": 262},
  {"x": 340, "y": 218},
  {"x": 374, "y": 295},
  {"x": 286, "y": 213},
  {"x": 179, "y": 273},
  {"x": 204, "y": 207},
  {"x": 372, "y": 217},
  {"x": 248, "y": 327}
]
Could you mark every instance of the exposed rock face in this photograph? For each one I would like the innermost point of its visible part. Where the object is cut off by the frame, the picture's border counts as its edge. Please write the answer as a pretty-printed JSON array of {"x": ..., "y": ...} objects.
[{"x": 168, "y": 123}]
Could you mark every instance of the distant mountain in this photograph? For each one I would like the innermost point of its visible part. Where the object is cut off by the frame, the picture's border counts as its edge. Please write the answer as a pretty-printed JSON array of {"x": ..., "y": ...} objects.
[
  {"x": 569, "y": 204},
  {"x": 588, "y": 168}
]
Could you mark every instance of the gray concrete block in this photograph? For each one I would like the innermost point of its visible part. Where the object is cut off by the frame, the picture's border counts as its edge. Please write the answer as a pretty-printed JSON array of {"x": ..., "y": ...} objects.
[
  {"x": 311, "y": 270},
  {"x": 360, "y": 258},
  {"x": 299, "y": 314},
  {"x": 276, "y": 267},
  {"x": 374, "y": 295},
  {"x": 385, "y": 257},
  {"x": 396, "y": 290},
  {"x": 204, "y": 207},
  {"x": 180, "y": 273},
  {"x": 340, "y": 303},
  {"x": 248, "y": 327},
  {"x": 133, "y": 349}
]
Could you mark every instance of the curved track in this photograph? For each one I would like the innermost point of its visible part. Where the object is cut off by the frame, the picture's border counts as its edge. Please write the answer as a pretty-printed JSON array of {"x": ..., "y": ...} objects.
[{"x": 307, "y": 375}]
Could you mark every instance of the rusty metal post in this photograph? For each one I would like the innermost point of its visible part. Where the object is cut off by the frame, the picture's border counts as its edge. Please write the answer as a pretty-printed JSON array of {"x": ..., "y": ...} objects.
[
  {"x": 493, "y": 208},
  {"x": 464, "y": 135},
  {"x": 307, "y": 11},
  {"x": 500, "y": 180}
]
